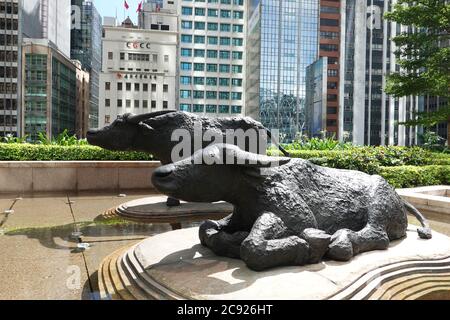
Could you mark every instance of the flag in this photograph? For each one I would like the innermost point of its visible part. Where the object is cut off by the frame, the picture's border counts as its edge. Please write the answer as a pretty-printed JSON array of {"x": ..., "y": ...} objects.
[
  {"x": 139, "y": 9},
  {"x": 125, "y": 4}
]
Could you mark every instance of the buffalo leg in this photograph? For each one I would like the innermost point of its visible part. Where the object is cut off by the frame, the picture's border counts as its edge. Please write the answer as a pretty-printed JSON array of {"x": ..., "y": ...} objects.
[
  {"x": 269, "y": 245},
  {"x": 345, "y": 244},
  {"x": 213, "y": 235},
  {"x": 172, "y": 202}
]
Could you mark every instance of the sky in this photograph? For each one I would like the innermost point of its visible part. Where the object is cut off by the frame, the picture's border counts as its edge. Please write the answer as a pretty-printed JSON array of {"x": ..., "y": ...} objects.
[{"x": 108, "y": 8}]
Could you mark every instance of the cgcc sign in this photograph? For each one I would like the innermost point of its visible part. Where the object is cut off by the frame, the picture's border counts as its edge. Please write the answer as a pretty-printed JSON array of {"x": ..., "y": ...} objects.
[{"x": 138, "y": 45}]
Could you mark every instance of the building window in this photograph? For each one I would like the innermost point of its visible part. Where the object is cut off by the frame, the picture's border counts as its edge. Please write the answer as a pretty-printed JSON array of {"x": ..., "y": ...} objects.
[
  {"x": 110, "y": 55},
  {"x": 107, "y": 119},
  {"x": 238, "y": 42},
  {"x": 225, "y": 27},
  {"x": 198, "y": 94},
  {"x": 211, "y": 81},
  {"x": 199, "y": 39},
  {"x": 224, "y": 109},
  {"x": 213, "y": 40},
  {"x": 200, "y": 12},
  {"x": 166, "y": 88},
  {"x": 224, "y": 68},
  {"x": 199, "y": 67},
  {"x": 329, "y": 47},
  {"x": 225, "y": 54},
  {"x": 213, "y": 26},
  {"x": 236, "y": 96},
  {"x": 210, "y": 108},
  {"x": 186, "y": 38},
  {"x": 107, "y": 103},
  {"x": 199, "y": 81},
  {"x": 325, "y": 9},
  {"x": 211, "y": 94},
  {"x": 225, "y": 13},
  {"x": 199, "y": 53},
  {"x": 211, "y": 67},
  {"x": 224, "y": 95},
  {"x": 237, "y": 55},
  {"x": 165, "y": 105},
  {"x": 236, "y": 82},
  {"x": 145, "y": 87},
  {"x": 145, "y": 104},
  {"x": 213, "y": 13},
  {"x": 186, "y": 24},
  {"x": 119, "y": 103},
  {"x": 153, "y": 87},
  {"x": 225, "y": 41},
  {"x": 136, "y": 87},
  {"x": 122, "y": 56},
  {"x": 166, "y": 58},
  {"x": 224, "y": 82},
  {"x": 238, "y": 28},
  {"x": 185, "y": 107},
  {"x": 198, "y": 108},
  {"x": 236, "y": 109},
  {"x": 329, "y": 22},
  {"x": 136, "y": 104},
  {"x": 185, "y": 80},
  {"x": 186, "y": 66},
  {"x": 153, "y": 104},
  {"x": 212, "y": 54},
  {"x": 185, "y": 94},
  {"x": 186, "y": 11},
  {"x": 107, "y": 86},
  {"x": 236, "y": 69},
  {"x": 128, "y": 103},
  {"x": 238, "y": 14},
  {"x": 199, "y": 25},
  {"x": 186, "y": 52}
]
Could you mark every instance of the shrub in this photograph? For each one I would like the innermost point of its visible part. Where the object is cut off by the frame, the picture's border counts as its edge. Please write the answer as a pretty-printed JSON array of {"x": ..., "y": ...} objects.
[
  {"x": 410, "y": 176},
  {"x": 370, "y": 159},
  {"x": 30, "y": 152}
]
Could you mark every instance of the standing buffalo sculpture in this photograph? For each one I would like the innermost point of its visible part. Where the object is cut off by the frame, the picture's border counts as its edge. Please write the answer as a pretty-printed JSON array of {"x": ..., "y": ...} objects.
[{"x": 287, "y": 211}]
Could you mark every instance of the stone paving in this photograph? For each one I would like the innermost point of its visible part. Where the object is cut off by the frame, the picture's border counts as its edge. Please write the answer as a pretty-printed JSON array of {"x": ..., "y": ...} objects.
[{"x": 40, "y": 258}]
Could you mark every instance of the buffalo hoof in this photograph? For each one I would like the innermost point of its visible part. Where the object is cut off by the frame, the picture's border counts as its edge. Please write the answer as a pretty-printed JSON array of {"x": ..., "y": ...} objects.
[
  {"x": 341, "y": 248},
  {"x": 318, "y": 242},
  {"x": 171, "y": 202}
]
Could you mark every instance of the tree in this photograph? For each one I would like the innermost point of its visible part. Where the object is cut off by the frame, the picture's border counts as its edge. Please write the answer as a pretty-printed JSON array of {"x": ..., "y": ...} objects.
[{"x": 423, "y": 54}]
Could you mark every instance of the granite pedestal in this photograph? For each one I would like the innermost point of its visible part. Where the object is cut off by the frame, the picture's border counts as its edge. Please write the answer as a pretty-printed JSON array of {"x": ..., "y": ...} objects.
[{"x": 175, "y": 266}]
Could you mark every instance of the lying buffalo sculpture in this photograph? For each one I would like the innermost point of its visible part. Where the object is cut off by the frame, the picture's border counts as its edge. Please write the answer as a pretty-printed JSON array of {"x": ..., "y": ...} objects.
[
  {"x": 152, "y": 133},
  {"x": 288, "y": 211}
]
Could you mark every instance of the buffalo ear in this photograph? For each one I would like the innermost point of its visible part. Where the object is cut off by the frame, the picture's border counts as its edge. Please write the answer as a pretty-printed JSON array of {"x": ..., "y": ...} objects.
[{"x": 147, "y": 129}]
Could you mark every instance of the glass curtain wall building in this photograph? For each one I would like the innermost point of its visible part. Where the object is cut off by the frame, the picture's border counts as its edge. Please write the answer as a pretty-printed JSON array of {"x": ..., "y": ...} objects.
[
  {"x": 86, "y": 47},
  {"x": 285, "y": 35},
  {"x": 212, "y": 55}
]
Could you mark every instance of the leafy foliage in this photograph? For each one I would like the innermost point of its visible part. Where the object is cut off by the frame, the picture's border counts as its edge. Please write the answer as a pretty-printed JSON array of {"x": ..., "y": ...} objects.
[
  {"x": 410, "y": 176},
  {"x": 30, "y": 152},
  {"x": 63, "y": 139}
]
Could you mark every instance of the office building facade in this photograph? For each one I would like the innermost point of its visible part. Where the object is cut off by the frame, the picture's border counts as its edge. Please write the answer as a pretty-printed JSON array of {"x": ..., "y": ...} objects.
[
  {"x": 212, "y": 57},
  {"x": 139, "y": 72},
  {"x": 316, "y": 101},
  {"x": 48, "y": 19},
  {"x": 282, "y": 43},
  {"x": 86, "y": 47},
  {"x": 10, "y": 39},
  {"x": 368, "y": 116},
  {"x": 49, "y": 95}
]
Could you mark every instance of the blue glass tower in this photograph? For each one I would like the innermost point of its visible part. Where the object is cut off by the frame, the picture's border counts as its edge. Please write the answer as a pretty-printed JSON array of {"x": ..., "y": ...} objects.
[{"x": 284, "y": 34}]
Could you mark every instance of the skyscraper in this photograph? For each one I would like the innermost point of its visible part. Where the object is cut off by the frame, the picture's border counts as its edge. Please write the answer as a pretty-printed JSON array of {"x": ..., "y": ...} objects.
[
  {"x": 10, "y": 39},
  {"x": 369, "y": 116},
  {"x": 86, "y": 47},
  {"x": 212, "y": 53},
  {"x": 282, "y": 43},
  {"x": 48, "y": 19}
]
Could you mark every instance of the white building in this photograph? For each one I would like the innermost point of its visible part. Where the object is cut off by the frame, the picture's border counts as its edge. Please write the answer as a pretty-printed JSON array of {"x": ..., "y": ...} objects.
[
  {"x": 212, "y": 55},
  {"x": 139, "y": 72}
]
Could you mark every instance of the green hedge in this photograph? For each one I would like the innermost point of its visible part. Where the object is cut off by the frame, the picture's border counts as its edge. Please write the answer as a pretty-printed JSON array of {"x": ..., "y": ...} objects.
[
  {"x": 410, "y": 176},
  {"x": 30, "y": 152},
  {"x": 371, "y": 159}
]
